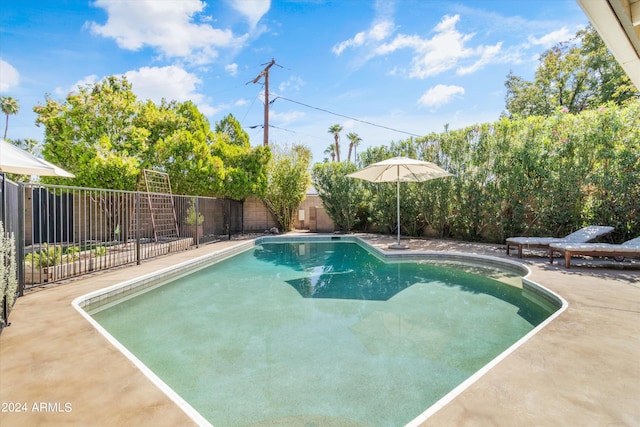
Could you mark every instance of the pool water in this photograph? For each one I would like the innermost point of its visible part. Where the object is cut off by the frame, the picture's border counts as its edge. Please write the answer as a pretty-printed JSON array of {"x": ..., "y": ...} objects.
[{"x": 319, "y": 334}]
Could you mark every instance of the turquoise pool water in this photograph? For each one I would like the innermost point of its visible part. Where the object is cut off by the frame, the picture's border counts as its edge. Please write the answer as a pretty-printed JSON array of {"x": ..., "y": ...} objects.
[{"x": 320, "y": 333}]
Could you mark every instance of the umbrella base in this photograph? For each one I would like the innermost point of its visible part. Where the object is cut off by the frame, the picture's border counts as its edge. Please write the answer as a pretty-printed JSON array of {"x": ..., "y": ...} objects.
[{"x": 398, "y": 246}]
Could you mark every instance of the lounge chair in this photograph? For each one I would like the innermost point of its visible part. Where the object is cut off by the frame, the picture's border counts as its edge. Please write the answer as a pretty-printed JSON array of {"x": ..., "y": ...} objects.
[
  {"x": 629, "y": 249},
  {"x": 583, "y": 235}
]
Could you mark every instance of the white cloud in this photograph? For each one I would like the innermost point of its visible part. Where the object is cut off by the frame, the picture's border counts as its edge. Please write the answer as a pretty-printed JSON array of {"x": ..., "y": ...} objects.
[
  {"x": 285, "y": 117},
  {"x": 168, "y": 26},
  {"x": 155, "y": 83},
  {"x": 86, "y": 81},
  {"x": 294, "y": 83},
  {"x": 440, "y": 95},
  {"x": 448, "y": 49},
  {"x": 9, "y": 76},
  {"x": 171, "y": 83},
  {"x": 253, "y": 10},
  {"x": 552, "y": 38},
  {"x": 376, "y": 33},
  {"x": 232, "y": 69},
  {"x": 381, "y": 28},
  {"x": 443, "y": 52},
  {"x": 487, "y": 55},
  {"x": 241, "y": 103}
]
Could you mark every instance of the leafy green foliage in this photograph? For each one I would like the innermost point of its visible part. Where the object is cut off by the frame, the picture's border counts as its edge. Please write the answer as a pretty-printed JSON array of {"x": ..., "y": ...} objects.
[
  {"x": 577, "y": 75},
  {"x": 188, "y": 160},
  {"x": 335, "y": 131},
  {"x": 47, "y": 256},
  {"x": 528, "y": 176},
  {"x": 192, "y": 217},
  {"x": 288, "y": 180},
  {"x": 342, "y": 197},
  {"x": 232, "y": 133},
  {"x": 245, "y": 167},
  {"x": 8, "y": 270},
  {"x": 9, "y": 106},
  {"x": 106, "y": 137},
  {"x": 92, "y": 134}
]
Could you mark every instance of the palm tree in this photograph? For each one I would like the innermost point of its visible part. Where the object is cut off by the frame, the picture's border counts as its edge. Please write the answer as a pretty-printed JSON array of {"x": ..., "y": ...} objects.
[
  {"x": 335, "y": 131},
  {"x": 9, "y": 105},
  {"x": 354, "y": 141},
  {"x": 331, "y": 151}
]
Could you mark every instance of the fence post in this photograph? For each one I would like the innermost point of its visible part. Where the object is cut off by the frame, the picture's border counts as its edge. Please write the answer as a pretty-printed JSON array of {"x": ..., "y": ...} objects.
[
  {"x": 242, "y": 216},
  {"x": 19, "y": 235},
  {"x": 197, "y": 208},
  {"x": 138, "y": 233},
  {"x": 229, "y": 217},
  {"x": 5, "y": 309}
]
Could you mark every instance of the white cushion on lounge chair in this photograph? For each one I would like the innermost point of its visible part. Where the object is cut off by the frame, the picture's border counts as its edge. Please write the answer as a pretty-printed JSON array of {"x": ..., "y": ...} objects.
[
  {"x": 581, "y": 236},
  {"x": 630, "y": 248},
  {"x": 535, "y": 240}
]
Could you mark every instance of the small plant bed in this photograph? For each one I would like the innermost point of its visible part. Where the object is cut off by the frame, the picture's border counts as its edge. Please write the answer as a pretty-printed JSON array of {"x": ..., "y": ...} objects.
[{"x": 49, "y": 263}]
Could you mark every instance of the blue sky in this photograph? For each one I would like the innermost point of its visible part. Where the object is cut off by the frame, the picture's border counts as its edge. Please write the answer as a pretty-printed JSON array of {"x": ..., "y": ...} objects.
[{"x": 393, "y": 68}]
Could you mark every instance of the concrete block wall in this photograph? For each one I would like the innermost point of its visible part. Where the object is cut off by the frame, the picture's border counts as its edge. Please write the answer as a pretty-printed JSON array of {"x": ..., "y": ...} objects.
[
  {"x": 314, "y": 218},
  {"x": 257, "y": 217}
]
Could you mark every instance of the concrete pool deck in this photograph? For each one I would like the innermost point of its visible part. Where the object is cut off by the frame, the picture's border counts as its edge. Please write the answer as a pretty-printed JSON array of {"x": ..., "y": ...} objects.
[{"x": 582, "y": 369}]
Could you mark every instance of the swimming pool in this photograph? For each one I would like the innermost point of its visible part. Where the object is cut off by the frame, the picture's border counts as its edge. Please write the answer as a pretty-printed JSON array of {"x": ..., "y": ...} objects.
[{"x": 280, "y": 334}]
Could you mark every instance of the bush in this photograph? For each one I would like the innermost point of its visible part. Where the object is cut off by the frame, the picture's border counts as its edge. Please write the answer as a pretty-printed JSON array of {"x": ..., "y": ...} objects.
[
  {"x": 530, "y": 176},
  {"x": 8, "y": 276},
  {"x": 48, "y": 256},
  {"x": 342, "y": 197}
]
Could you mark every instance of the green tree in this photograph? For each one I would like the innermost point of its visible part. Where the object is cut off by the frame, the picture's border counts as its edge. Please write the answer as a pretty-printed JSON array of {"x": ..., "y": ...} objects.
[
  {"x": 9, "y": 107},
  {"x": 92, "y": 134},
  {"x": 330, "y": 151},
  {"x": 288, "y": 181},
  {"x": 29, "y": 145},
  {"x": 576, "y": 75},
  {"x": 354, "y": 141},
  {"x": 232, "y": 131},
  {"x": 180, "y": 143},
  {"x": 245, "y": 167},
  {"x": 342, "y": 197},
  {"x": 191, "y": 166},
  {"x": 335, "y": 131},
  {"x": 161, "y": 121},
  {"x": 106, "y": 137}
]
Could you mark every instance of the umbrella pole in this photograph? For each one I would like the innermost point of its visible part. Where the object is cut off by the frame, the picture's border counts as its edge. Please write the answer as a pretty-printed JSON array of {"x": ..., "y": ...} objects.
[
  {"x": 398, "y": 202},
  {"x": 398, "y": 245}
]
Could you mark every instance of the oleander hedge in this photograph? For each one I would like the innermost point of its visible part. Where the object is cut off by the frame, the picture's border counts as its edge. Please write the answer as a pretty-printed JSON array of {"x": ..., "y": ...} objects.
[{"x": 529, "y": 176}]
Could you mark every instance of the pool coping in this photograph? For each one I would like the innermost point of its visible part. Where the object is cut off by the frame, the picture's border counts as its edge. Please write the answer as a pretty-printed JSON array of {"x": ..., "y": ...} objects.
[
  {"x": 132, "y": 287},
  {"x": 580, "y": 370}
]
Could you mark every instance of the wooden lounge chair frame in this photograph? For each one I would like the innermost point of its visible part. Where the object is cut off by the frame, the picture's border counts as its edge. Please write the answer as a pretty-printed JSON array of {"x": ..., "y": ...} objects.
[
  {"x": 629, "y": 249},
  {"x": 583, "y": 235}
]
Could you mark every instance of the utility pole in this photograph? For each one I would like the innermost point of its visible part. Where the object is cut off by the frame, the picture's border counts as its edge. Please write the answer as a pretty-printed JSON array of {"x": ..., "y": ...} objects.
[{"x": 265, "y": 73}]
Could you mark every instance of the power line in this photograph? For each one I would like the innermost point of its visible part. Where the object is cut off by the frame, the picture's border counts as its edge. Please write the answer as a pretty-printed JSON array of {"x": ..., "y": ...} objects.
[
  {"x": 285, "y": 130},
  {"x": 347, "y": 117}
]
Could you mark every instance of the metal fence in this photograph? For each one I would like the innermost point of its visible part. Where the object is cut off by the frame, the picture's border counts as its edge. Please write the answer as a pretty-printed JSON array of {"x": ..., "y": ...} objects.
[
  {"x": 9, "y": 217},
  {"x": 62, "y": 231}
]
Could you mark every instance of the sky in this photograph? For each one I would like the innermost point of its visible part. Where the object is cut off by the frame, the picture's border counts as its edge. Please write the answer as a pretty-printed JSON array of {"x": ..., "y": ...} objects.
[{"x": 385, "y": 70}]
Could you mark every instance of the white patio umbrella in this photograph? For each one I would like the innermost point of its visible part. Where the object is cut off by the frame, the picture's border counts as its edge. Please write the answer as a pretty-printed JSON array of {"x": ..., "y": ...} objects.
[
  {"x": 400, "y": 169},
  {"x": 15, "y": 160}
]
